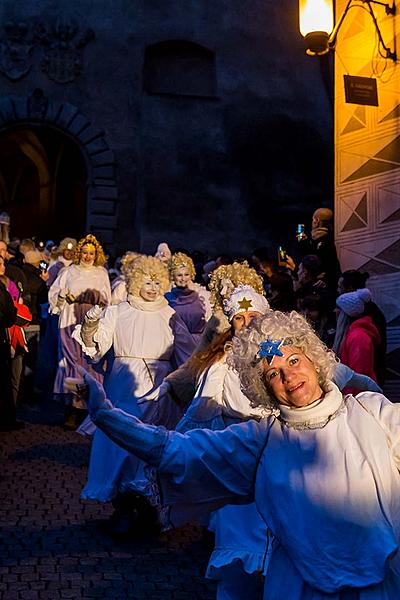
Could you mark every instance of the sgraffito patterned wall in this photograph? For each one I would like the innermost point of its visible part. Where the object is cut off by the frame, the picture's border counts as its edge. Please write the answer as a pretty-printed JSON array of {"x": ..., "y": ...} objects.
[{"x": 367, "y": 169}]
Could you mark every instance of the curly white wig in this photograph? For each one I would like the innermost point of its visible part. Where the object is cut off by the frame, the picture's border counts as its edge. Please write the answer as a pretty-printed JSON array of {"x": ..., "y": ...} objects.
[
  {"x": 226, "y": 278},
  {"x": 142, "y": 268},
  {"x": 294, "y": 330},
  {"x": 179, "y": 260},
  {"x": 126, "y": 260}
]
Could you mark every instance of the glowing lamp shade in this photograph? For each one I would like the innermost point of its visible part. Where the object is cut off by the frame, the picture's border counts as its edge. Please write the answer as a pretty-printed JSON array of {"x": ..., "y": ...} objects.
[{"x": 316, "y": 24}]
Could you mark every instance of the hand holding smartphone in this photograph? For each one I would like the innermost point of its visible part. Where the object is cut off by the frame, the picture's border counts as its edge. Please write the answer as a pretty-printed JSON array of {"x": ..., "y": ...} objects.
[{"x": 282, "y": 254}]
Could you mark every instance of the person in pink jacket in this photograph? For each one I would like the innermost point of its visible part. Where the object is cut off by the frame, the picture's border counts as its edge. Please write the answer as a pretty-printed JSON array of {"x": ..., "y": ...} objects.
[{"x": 357, "y": 337}]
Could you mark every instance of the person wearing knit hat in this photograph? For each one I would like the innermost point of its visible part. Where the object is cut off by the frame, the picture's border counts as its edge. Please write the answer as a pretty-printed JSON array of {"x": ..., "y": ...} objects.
[
  {"x": 353, "y": 280},
  {"x": 357, "y": 337}
]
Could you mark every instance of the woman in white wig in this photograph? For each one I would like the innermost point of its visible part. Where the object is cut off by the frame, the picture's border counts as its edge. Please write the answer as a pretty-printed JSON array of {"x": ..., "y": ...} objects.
[
  {"x": 78, "y": 287},
  {"x": 189, "y": 299},
  {"x": 147, "y": 340},
  {"x": 323, "y": 468}
]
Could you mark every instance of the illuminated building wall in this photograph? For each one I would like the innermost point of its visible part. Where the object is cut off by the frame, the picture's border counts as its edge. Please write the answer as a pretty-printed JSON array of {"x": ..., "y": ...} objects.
[{"x": 367, "y": 169}]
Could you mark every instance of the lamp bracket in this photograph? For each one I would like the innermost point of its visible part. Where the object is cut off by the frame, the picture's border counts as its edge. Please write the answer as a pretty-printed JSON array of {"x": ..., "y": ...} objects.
[{"x": 390, "y": 10}]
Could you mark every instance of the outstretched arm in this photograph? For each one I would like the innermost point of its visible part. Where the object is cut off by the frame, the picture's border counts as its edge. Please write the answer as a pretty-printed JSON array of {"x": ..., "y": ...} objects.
[{"x": 203, "y": 468}]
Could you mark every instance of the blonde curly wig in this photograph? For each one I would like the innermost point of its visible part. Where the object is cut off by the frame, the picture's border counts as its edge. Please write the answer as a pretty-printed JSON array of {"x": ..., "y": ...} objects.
[
  {"x": 275, "y": 325},
  {"x": 100, "y": 257},
  {"x": 179, "y": 260},
  {"x": 126, "y": 260},
  {"x": 227, "y": 277},
  {"x": 143, "y": 267}
]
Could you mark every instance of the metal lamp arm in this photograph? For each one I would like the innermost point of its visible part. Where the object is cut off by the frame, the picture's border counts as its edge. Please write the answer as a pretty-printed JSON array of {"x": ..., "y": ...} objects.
[{"x": 390, "y": 10}]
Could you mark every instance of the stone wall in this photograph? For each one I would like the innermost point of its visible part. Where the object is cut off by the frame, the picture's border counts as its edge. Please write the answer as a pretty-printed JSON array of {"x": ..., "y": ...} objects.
[{"x": 221, "y": 146}]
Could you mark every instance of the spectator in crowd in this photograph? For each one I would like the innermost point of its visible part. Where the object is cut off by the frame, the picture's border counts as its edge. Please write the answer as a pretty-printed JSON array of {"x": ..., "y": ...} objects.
[
  {"x": 65, "y": 252},
  {"x": 357, "y": 340},
  {"x": 8, "y": 315},
  {"x": 321, "y": 244},
  {"x": 6, "y": 281},
  {"x": 36, "y": 289},
  {"x": 12, "y": 270},
  {"x": 282, "y": 296},
  {"x": 311, "y": 279},
  {"x": 314, "y": 309},
  {"x": 353, "y": 280}
]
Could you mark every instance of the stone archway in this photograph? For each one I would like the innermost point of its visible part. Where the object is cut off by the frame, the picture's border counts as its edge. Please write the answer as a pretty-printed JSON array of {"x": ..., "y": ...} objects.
[{"x": 102, "y": 192}]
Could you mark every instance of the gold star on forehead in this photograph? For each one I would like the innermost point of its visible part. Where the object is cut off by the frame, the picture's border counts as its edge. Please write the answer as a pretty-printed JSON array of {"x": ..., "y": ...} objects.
[{"x": 245, "y": 304}]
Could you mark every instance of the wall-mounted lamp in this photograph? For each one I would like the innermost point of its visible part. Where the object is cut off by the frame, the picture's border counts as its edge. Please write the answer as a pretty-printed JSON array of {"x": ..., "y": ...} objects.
[{"x": 318, "y": 29}]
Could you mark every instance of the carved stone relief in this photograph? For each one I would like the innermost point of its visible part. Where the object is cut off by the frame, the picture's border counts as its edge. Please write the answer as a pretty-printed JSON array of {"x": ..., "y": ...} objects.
[
  {"x": 59, "y": 47},
  {"x": 63, "y": 46},
  {"x": 16, "y": 49}
]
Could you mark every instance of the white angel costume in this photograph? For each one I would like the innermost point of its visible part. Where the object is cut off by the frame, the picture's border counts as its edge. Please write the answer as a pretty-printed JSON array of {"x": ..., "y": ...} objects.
[
  {"x": 89, "y": 285},
  {"x": 325, "y": 479},
  {"x": 148, "y": 340}
]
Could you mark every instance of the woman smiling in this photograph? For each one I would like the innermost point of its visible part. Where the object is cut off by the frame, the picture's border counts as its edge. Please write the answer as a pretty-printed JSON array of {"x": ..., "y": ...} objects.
[{"x": 323, "y": 468}]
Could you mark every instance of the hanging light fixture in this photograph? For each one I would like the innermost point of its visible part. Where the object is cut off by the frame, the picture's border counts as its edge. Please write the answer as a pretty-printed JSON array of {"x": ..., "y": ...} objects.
[
  {"x": 316, "y": 24},
  {"x": 318, "y": 28}
]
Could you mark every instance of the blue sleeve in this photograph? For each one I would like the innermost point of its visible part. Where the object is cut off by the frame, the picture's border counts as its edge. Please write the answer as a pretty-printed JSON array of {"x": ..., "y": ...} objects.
[{"x": 208, "y": 469}]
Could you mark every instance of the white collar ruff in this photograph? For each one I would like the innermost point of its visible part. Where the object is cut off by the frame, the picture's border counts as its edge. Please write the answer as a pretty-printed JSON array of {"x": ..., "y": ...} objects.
[{"x": 317, "y": 414}]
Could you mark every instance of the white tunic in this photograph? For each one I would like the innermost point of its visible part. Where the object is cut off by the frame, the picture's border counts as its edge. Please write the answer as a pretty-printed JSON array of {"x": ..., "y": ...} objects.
[
  {"x": 77, "y": 280},
  {"x": 147, "y": 345},
  {"x": 119, "y": 292},
  {"x": 326, "y": 481}
]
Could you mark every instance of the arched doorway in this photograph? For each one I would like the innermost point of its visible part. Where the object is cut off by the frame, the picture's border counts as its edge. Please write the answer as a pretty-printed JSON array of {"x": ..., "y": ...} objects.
[
  {"x": 69, "y": 163},
  {"x": 43, "y": 180}
]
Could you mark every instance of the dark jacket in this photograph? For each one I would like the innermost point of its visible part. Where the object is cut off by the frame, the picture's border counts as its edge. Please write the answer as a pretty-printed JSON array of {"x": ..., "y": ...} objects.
[
  {"x": 36, "y": 291},
  {"x": 8, "y": 316}
]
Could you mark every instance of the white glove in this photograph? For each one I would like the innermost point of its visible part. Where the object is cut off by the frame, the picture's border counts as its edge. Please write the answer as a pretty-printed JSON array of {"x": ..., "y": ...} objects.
[
  {"x": 96, "y": 399},
  {"x": 61, "y": 300},
  {"x": 94, "y": 313},
  {"x": 157, "y": 393}
]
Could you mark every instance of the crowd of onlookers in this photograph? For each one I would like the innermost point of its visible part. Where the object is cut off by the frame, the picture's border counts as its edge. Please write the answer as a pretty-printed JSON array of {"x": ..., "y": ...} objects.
[{"x": 338, "y": 304}]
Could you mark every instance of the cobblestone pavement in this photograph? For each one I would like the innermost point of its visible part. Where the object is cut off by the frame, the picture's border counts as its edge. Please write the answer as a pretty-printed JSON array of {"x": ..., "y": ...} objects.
[{"x": 52, "y": 546}]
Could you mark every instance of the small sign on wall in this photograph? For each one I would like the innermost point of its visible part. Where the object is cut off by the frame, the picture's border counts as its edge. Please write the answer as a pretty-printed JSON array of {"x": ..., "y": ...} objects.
[{"x": 360, "y": 90}]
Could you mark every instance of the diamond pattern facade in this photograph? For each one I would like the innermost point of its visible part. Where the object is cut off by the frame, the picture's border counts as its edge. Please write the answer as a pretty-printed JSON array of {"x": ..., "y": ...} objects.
[{"x": 367, "y": 171}]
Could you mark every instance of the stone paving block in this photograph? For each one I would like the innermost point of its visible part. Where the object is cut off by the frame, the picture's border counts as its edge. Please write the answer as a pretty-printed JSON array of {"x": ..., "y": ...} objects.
[{"x": 52, "y": 547}]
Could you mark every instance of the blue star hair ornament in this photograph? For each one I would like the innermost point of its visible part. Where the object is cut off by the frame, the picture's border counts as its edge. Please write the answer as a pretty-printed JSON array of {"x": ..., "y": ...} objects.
[{"x": 270, "y": 348}]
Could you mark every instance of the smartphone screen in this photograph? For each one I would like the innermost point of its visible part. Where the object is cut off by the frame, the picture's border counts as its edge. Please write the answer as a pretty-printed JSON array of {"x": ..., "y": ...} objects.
[{"x": 282, "y": 254}]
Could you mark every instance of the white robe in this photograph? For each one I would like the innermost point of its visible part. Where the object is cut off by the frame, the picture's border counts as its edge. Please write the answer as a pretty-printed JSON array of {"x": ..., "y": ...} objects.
[
  {"x": 75, "y": 279},
  {"x": 147, "y": 345},
  {"x": 326, "y": 482}
]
